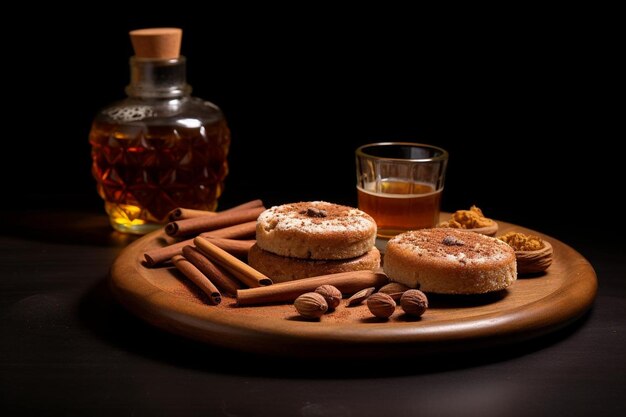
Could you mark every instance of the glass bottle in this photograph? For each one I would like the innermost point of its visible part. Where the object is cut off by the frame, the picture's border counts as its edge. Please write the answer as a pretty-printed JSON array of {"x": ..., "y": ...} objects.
[{"x": 159, "y": 148}]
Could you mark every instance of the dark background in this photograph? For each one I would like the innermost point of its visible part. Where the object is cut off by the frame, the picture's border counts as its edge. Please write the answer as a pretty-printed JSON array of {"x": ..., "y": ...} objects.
[
  {"x": 526, "y": 102},
  {"x": 517, "y": 105}
]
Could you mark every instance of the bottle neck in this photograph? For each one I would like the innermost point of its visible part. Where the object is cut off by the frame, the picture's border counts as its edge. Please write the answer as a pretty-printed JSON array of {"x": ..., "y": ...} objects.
[{"x": 157, "y": 78}]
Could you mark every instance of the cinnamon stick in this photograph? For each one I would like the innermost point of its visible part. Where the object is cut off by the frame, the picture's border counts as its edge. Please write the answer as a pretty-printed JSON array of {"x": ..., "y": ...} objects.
[
  {"x": 241, "y": 270},
  {"x": 215, "y": 273},
  {"x": 346, "y": 282},
  {"x": 198, "y": 278},
  {"x": 181, "y": 213},
  {"x": 247, "y": 205},
  {"x": 237, "y": 231},
  {"x": 238, "y": 248},
  {"x": 207, "y": 223},
  {"x": 157, "y": 256}
]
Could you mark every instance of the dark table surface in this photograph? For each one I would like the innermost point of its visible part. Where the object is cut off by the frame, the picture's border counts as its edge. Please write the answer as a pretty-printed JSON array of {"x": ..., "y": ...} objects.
[{"x": 68, "y": 348}]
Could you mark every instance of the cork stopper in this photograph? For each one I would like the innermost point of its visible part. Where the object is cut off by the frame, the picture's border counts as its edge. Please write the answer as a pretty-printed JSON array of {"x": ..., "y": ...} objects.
[{"x": 157, "y": 43}]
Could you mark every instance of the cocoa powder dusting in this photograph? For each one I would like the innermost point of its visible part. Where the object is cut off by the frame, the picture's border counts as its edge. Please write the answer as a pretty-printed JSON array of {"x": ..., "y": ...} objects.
[
  {"x": 464, "y": 246},
  {"x": 314, "y": 209},
  {"x": 319, "y": 217}
]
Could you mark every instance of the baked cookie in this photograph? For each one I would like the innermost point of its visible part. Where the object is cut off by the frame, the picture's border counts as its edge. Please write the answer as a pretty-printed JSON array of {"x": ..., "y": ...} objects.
[
  {"x": 450, "y": 261},
  {"x": 315, "y": 230},
  {"x": 283, "y": 268}
]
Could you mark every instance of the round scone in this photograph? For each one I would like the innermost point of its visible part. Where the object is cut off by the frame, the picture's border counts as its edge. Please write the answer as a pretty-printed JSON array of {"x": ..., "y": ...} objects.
[
  {"x": 450, "y": 261},
  {"x": 284, "y": 268},
  {"x": 315, "y": 230}
]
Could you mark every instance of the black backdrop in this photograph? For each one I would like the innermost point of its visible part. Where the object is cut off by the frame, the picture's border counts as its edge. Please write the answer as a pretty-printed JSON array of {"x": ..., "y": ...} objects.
[{"x": 302, "y": 91}]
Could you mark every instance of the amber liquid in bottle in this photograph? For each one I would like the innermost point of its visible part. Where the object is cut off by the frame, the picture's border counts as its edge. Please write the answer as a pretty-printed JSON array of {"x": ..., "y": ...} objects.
[
  {"x": 158, "y": 149},
  {"x": 143, "y": 172}
]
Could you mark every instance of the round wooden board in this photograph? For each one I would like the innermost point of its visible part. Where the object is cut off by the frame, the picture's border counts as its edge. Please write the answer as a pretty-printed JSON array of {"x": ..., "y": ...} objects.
[{"x": 532, "y": 306}]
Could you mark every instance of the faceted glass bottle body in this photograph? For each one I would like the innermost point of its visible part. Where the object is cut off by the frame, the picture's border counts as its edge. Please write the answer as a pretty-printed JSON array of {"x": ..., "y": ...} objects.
[{"x": 157, "y": 150}]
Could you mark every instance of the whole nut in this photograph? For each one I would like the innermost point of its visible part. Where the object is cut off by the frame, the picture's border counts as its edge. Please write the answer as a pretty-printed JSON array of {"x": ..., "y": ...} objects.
[
  {"x": 331, "y": 294},
  {"x": 381, "y": 305},
  {"x": 414, "y": 302},
  {"x": 311, "y": 305},
  {"x": 394, "y": 289},
  {"x": 360, "y": 296}
]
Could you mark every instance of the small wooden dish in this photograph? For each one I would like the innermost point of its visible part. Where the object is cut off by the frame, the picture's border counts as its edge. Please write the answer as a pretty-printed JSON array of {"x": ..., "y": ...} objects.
[
  {"x": 534, "y": 261},
  {"x": 487, "y": 230}
]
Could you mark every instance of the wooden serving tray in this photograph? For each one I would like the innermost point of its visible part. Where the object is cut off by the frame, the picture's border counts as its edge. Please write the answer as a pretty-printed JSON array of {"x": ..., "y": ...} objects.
[{"x": 532, "y": 306}]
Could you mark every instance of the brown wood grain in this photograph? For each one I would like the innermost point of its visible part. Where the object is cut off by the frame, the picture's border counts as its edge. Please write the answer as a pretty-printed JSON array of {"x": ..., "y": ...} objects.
[{"x": 532, "y": 306}]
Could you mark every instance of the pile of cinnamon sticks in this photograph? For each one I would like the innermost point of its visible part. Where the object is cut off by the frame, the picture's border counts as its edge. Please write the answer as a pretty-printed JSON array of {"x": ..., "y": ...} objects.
[
  {"x": 212, "y": 249},
  {"x": 212, "y": 255}
]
